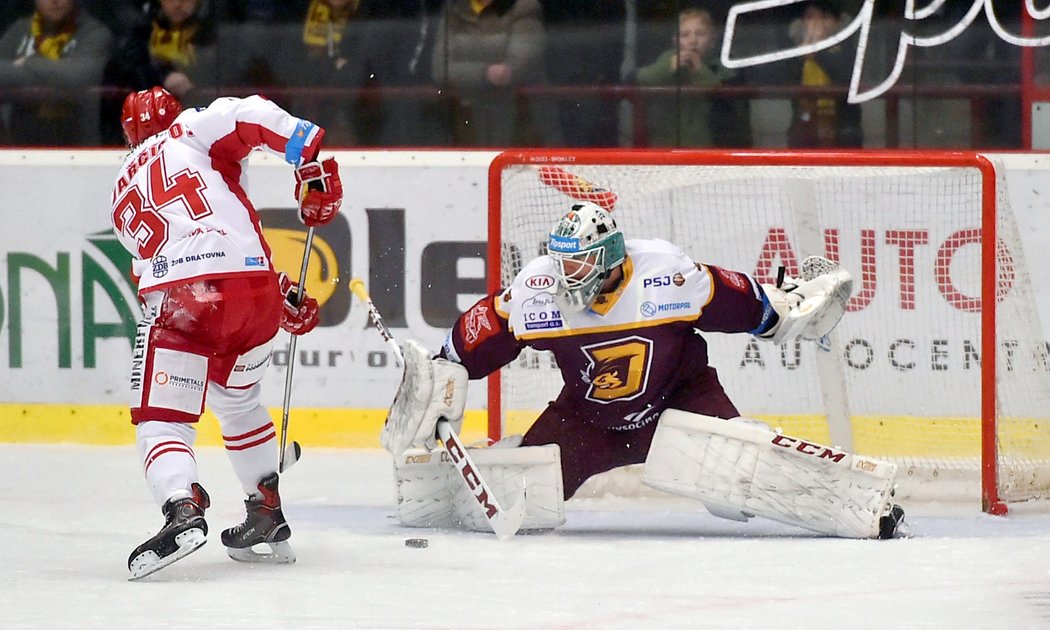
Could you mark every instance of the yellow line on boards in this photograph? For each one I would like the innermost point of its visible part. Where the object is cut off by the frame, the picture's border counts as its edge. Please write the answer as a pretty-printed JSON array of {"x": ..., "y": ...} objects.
[
  {"x": 890, "y": 436},
  {"x": 111, "y": 425}
]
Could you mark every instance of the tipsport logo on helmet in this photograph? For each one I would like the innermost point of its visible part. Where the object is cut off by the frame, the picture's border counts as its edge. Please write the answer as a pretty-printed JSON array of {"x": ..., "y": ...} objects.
[{"x": 563, "y": 244}]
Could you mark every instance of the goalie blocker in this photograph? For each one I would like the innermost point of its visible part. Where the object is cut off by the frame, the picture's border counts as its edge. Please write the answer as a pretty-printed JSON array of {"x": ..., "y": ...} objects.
[{"x": 739, "y": 470}]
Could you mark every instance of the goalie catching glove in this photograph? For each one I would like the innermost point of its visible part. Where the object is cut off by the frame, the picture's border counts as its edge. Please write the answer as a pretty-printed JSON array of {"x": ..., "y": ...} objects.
[
  {"x": 300, "y": 313},
  {"x": 319, "y": 191},
  {"x": 811, "y": 307},
  {"x": 431, "y": 390}
]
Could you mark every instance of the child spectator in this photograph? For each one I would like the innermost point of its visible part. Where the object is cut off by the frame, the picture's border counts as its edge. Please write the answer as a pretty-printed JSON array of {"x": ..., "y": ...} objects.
[
  {"x": 685, "y": 120},
  {"x": 827, "y": 121}
]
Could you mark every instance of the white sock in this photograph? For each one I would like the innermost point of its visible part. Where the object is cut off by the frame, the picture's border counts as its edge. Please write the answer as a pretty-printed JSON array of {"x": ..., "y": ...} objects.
[
  {"x": 166, "y": 450},
  {"x": 248, "y": 433}
]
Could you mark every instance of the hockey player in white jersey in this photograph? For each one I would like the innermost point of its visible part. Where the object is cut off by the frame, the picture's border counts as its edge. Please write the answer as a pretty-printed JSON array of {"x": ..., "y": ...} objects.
[
  {"x": 625, "y": 321},
  {"x": 213, "y": 304}
]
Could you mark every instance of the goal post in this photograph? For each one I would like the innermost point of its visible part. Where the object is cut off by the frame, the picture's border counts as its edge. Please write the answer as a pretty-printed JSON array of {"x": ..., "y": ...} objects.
[{"x": 940, "y": 363}]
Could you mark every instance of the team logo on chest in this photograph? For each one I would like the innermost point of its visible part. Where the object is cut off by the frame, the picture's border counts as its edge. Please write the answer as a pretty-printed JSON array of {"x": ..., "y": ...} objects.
[{"x": 618, "y": 370}]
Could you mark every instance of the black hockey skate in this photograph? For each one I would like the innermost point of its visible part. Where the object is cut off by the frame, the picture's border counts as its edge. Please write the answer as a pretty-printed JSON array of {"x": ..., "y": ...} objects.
[
  {"x": 183, "y": 533},
  {"x": 892, "y": 524},
  {"x": 264, "y": 525}
]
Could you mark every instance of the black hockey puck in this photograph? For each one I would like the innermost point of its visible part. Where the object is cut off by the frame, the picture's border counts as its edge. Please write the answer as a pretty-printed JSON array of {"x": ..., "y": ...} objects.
[{"x": 416, "y": 543}]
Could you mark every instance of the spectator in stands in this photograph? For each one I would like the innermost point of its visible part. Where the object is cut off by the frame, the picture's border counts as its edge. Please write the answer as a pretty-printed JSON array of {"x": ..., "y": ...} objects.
[
  {"x": 181, "y": 48},
  {"x": 329, "y": 56},
  {"x": 63, "y": 49},
  {"x": 685, "y": 119},
  {"x": 825, "y": 121},
  {"x": 483, "y": 51},
  {"x": 172, "y": 44},
  {"x": 172, "y": 47}
]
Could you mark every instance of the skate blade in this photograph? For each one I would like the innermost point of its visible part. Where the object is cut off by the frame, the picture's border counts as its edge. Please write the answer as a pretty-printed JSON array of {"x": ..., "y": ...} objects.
[
  {"x": 279, "y": 553},
  {"x": 148, "y": 562}
]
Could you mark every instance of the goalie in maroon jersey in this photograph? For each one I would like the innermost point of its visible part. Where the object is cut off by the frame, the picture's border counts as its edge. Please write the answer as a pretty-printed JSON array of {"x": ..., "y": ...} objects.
[
  {"x": 213, "y": 304},
  {"x": 624, "y": 320}
]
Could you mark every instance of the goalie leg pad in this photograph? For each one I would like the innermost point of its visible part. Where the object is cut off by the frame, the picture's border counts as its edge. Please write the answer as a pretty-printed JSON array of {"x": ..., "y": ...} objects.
[
  {"x": 424, "y": 488},
  {"x": 430, "y": 493},
  {"x": 431, "y": 389},
  {"x": 741, "y": 470}
]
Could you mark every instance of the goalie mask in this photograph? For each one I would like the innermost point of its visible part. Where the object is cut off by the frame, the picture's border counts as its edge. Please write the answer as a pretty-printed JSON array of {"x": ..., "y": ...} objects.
[
  {"x": 148, "y": 112},
  {"x": 585, "y": 246}
]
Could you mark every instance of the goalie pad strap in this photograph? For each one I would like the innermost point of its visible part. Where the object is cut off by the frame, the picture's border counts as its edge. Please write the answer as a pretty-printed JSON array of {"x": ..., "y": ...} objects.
[
  {"x": 429, "y": 493},
  {"x": 739, "y": 470},
  {"x": 431, "y": 389}
]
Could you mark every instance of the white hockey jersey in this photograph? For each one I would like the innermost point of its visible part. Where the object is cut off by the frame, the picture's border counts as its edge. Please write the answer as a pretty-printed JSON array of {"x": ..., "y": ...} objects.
[
  {"x": 180, "y": 202},
  {"x": 623, "y": 359},
  {"x": 662, "y": 285}
]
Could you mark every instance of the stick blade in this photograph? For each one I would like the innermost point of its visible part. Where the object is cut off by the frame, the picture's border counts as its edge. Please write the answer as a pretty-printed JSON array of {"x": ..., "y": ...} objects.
[
  {"x": 291, "y": 454},
  {"x": 507, "y": 522}
]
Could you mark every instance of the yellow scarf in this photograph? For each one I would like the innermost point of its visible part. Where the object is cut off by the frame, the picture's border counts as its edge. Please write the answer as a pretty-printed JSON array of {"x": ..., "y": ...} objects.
[
  {"x": 51, "y": 45},
  {"x": 174, "y": 45},
  {"x": 324, "y": 26},
  {"x": 814, "y": 75},
  {"x": 479, "y": 5}
]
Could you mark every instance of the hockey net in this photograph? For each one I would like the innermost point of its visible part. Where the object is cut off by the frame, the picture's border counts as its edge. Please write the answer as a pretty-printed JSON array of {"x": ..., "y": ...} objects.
[{"x": 925, "y": 369}]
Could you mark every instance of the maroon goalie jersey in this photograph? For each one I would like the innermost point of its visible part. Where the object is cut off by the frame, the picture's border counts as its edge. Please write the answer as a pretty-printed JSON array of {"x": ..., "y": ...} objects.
[{"x": 622, "y": 359}]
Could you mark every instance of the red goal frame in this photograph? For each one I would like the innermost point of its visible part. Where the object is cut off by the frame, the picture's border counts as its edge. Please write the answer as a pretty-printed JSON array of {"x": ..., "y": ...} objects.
[{"x": 991, "y": 500}]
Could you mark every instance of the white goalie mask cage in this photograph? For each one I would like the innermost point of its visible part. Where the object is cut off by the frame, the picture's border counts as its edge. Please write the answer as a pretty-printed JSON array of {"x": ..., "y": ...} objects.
[{"x": 584, "y": 246}]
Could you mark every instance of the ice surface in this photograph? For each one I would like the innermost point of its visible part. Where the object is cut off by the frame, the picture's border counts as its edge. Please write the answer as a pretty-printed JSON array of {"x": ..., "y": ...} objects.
[{"x": 70, "y": 516}]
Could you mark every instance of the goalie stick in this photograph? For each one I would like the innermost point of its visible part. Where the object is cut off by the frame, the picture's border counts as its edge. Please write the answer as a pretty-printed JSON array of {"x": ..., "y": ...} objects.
[
  {"x": 505, "y": 523},
  {"x": 290, "y": 452}
]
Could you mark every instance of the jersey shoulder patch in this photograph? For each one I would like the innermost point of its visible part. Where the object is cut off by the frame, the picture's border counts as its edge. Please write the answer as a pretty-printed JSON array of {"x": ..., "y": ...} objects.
[
  {"x": 478, "y": 324},
  {"x": 733, "y": 279}
]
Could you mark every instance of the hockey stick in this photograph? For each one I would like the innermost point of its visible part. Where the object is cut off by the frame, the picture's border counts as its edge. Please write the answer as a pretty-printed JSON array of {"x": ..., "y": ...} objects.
[
  {"x": 505, "y": 523},
  {"x": 290, "y": 452}
]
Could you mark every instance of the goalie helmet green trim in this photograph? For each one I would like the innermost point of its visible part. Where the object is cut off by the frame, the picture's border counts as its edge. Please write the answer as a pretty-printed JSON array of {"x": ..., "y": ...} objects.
[{"x": 585, "y": 246}]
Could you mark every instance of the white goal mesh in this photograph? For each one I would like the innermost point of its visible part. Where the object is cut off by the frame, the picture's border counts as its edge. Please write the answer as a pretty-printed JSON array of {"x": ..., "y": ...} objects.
[{"x": 904, "y": 376}]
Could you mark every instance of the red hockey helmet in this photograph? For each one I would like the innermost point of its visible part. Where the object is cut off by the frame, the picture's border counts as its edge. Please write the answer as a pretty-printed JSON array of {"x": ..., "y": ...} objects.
[{"x": 147, "y": 112}]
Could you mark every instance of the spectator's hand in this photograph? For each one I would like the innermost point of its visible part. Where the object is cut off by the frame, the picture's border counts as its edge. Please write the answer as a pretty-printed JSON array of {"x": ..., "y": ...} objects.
[
  {"x": 685, "y": 60},
  {"x": 18, "y": 63},
  {"x": 178, "y": 84},
  {"x": 499, "y": 74}
]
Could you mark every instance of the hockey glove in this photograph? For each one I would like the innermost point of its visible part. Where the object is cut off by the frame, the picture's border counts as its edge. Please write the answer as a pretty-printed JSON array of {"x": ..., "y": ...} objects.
[
  {"x": 300, "y": 313},
  {"x": 319, "y": 191},
  {"x": 811, "y": 307}
]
